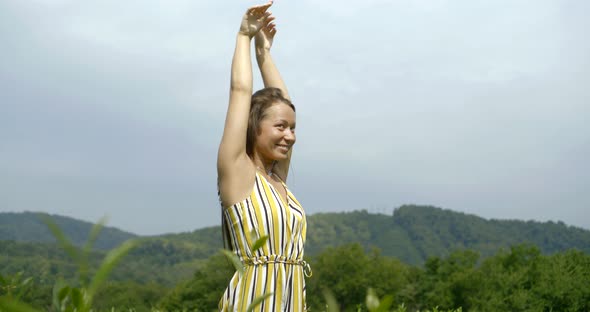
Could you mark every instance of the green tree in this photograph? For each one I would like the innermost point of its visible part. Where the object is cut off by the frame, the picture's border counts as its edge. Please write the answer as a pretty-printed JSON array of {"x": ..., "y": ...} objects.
[
  {"x": 204, "y": 290},
  {"x": 348, "y": 272},
  {"x": 447, "y": 283}
]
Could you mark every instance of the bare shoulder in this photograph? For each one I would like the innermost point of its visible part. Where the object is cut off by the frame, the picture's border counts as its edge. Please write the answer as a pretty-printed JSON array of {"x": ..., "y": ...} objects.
[{"x": 236, "y": 180}]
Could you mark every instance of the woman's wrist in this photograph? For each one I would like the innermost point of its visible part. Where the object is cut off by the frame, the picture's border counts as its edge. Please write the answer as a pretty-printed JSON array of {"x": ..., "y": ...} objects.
[
  {"x": 262, "y": 51},
  {"x": 243, "y": 34}
]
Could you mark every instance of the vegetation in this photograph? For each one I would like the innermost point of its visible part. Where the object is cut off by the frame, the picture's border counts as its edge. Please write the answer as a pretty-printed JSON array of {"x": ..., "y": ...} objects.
[
  {"x": 29, "y": 227},
  {"x": 67, "y": 297},
  {"x": 457, "y": 263},
  {"x": 415, "y": 233},
  {"x": 411, "y": 234},
  {"x": 516, "y": 279}
]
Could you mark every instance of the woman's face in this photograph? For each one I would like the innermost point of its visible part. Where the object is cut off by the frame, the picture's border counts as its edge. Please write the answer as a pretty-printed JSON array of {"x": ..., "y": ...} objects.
[{"x": 276, "y": 132}]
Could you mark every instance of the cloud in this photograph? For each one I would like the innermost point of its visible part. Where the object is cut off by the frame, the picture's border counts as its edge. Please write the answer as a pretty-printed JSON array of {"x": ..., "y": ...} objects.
[{"x": 117, "y": 108}]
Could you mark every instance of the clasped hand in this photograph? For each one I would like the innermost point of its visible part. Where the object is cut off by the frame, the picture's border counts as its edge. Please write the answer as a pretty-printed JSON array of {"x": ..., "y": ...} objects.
[{"x": 258, "y": 22}]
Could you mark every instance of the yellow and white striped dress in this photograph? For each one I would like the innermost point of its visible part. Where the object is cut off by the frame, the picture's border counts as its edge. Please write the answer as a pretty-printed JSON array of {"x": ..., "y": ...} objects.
[{"x": 278, "y": 266}]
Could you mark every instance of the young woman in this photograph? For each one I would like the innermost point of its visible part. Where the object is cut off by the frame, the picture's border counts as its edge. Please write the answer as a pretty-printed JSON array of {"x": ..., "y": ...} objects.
[{"x": 252, "y": 166}]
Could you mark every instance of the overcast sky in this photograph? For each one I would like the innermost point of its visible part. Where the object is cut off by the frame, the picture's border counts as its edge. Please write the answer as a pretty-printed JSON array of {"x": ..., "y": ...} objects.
[{"x": 116, "y": 107}]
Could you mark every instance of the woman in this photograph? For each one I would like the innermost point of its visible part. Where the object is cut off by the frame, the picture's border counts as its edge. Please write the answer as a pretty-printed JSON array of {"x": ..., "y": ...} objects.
[{"x": 252, "y": 166}]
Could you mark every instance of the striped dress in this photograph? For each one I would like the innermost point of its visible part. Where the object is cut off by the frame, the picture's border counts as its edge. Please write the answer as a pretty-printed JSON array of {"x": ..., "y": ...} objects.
[{"x": 277, "y": 267}]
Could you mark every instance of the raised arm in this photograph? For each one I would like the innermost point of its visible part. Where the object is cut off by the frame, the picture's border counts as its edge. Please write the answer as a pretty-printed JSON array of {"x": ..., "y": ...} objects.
[
  {"x": 270, "y": 74},
  {"x": 271, "y": 78},
  {"x": 232, "y": 155}
]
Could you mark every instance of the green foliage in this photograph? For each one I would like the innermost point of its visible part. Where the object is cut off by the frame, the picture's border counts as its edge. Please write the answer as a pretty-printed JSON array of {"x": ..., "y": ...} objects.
[
  {"x": 374, "y": 304},
  {"x": 150, "y": 265},
  {"x": 257, "y": 301},
  {"x": 411, "y": 234},
  {"x": 348, "y": 272},
  {"x": 460, "y": 267},
  {"x": 127, "y": 296},
  {"x": 259, "y": 243},
  {"x": 446, "y": 283},
  {"x": 235, "y": 261},
  {"x": 331, "y": 302},
  {"x": 14, "y": 286},
  {"x": 415, "y": 233},
  {"x": 167, "y": 252},
  {"x": 69, "y": 298},
  {"x": 438, "y": 232},
  {"x": 518, "y": 279},
  {"x": 12, "y": 305},
  {"x": 524, "y": 280},
  {"x": 203, "y": 291}
]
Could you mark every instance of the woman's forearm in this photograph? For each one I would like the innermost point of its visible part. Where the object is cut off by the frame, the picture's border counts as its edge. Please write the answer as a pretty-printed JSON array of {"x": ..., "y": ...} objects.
[
  {"x": 233, "y": 141},
  {"x": 269, "y": 71},
  {"x": 241, "y": 68}
]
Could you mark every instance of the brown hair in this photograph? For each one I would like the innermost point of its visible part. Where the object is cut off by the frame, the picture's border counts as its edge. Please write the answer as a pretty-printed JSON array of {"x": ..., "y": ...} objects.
[{"x": 260, "y": 102}]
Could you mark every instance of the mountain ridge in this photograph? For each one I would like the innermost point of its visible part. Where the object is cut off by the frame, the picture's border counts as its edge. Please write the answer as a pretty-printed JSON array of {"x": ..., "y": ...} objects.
[
  {"x": 91, "y": 223},
  {"x": 30, "y": 226},
  {"x": 411, "y": 234}
]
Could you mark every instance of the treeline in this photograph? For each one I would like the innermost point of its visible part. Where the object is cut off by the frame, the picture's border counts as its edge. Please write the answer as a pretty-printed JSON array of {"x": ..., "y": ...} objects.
[
  {"x": 411, "y": 233},
  {"x": 516, "y": 279},
  {"x": 415, "y": 233},
  {"x": 411, "y": 256},
  {"x": 154, "y": 260}
]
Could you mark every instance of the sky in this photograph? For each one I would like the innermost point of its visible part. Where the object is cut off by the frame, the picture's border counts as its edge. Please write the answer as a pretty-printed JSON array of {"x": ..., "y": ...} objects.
[{"x": 116, "y": 108}]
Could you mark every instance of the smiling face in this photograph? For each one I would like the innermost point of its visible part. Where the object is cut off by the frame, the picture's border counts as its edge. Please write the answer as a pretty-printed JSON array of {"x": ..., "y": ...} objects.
[{"x": 276, "y": 133}]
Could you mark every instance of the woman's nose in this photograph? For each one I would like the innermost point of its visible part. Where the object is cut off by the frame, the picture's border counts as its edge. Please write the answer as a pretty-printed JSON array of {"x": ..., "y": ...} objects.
[{"x": 290, "y": 135}]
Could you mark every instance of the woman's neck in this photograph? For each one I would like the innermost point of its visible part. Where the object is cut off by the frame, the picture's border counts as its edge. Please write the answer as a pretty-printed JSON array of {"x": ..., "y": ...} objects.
[{"x": 265, "y": 165}]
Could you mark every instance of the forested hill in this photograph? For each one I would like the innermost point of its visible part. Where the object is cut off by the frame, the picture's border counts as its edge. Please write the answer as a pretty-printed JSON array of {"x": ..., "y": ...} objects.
[
  {"x": 192, "y": 270},
  {"x": 30, "y": 227},
  {"x": 411, "y": 233}
]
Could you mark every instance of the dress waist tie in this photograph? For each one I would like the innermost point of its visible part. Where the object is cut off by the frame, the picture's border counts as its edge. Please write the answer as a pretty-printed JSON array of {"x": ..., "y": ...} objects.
[{"x": 262, "y": 260}]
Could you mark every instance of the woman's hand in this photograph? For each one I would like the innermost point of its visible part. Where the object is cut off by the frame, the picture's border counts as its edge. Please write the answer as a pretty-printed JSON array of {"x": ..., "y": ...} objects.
[
  {"x": 255, "y": 19},
  {"x": 265, "y": 37}
]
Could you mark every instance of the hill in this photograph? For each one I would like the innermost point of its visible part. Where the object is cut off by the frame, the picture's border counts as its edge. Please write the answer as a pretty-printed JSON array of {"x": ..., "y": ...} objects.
[
  {"x": 30, "y": 227},
  {"x": 188, "y": 266},
  {"x": 414, "y": 233},
  {"x": 411, "y": 234}
]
